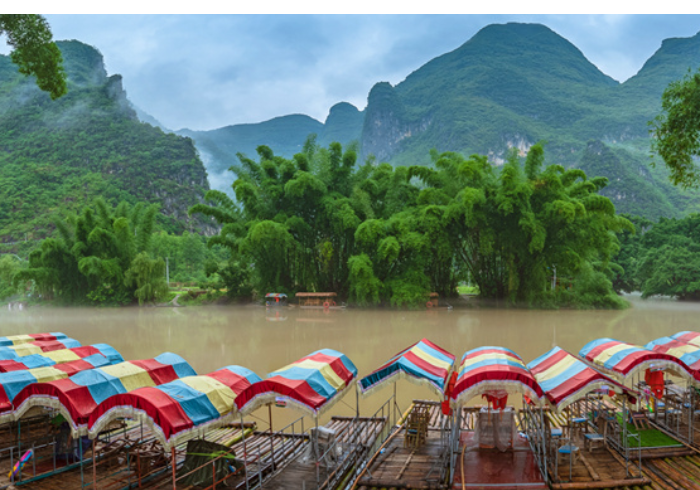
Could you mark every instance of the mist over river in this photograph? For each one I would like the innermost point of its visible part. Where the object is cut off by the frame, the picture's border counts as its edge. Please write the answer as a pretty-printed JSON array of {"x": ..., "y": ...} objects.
[{"x": 211, "y": 337}]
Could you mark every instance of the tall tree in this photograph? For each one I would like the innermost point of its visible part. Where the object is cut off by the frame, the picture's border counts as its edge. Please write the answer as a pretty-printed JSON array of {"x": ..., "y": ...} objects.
[
  {"x": 34, "y": 52},
  {"x": 100, "y": 256},
  {"x": 676, "y": 130}
]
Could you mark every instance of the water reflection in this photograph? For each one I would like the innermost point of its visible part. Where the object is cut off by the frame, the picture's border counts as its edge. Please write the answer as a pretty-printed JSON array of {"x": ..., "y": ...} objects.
[{"x": 263, "y": 340}]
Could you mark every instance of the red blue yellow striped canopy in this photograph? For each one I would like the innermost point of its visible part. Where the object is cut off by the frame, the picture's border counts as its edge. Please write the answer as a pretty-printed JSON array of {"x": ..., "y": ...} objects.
[
  {"x": 424, "y": 362},
  {"x": 312, "y": 384},
  {"x": 11, "y": 383},
  {"x": 76, "y": 397},
  {"x": 15, "y": 352},
  {"x": 488, "y": 370},
  {"x": 178, "y": 409},
  {"x": 622, "y": 360},
  {"x": 692, "y": 338},
  {"x": 32, "y": 337},
  {"x": 688, "y": 353},
  {"x": 54, "y": 357},
  {"x": 565, "y": 379}
]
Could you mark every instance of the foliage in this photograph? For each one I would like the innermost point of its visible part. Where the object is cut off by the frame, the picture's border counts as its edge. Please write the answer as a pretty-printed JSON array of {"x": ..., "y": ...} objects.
[
  {"x": 34, "y": 52},
  {"x": 379, "y": 234},
  {"x": 58, "y": 155},
  {"x": 9, "y": 266},
  {"x": 186, "y": 255},
  {"x": 99, "y": 257},
  {"x": 668, "y": 258},
  {"x": 147, "y": 277},
  {"x": 677, "y": 130},
  {"x": 511, "y": 227}
]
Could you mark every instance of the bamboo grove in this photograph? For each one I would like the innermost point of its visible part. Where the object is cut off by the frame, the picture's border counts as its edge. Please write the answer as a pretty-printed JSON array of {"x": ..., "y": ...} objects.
[{"x": 375, "y": 234}]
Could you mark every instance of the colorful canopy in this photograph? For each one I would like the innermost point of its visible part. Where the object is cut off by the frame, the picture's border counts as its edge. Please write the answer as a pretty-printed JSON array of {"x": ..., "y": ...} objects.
[
  {"x": 688, "y": 353},
  {"x": 13, "y": 382},
  {"x": 27, "y": 349},
  {"x": 275, "y": 295},
  {"x": 493, "y": 370},
  {"x": 692, "y": 338},
  {"x": 621, "y": 360},
  {"x": 59, "y": 357},
  {"x": 32, "y": 337},
  {"x": 180, "y": 408},
  {"x": 423, "y": 363},
  {"x": 565, "y": 379},
  {"x": 77, "y": 396},
  {"x": 313, "y": 383}
]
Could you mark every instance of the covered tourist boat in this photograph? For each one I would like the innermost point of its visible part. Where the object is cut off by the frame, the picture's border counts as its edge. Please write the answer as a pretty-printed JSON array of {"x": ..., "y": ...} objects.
[
  {"x": 320, "y": 457},
  {"x": 72, "y": 361},
  {"x": 423, "y": 433},
  {"x": 60, "y": 409},
  {"x": 488, "y": 448},
  {"x": 624, "y": 361},
  {"x": 651, "y": 372},
  {"x": 313, "y": 384},
  {"x": 689, "y": 354},
  {"x": 582, "y": 434},
  {"x": 77, "y": 396},
  {"x": 183, "y": 411},
  {"x": 681, "y": 400},
  {"x": 275, "y": 299}
]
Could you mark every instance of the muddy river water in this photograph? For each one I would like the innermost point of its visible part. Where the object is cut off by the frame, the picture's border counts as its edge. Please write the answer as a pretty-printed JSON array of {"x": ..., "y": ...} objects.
[{"x": 264, "y": 340}]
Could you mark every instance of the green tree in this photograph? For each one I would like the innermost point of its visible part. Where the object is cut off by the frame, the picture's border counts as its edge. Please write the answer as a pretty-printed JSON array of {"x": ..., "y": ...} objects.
[
  {"x": 34, "y": 52},
  {"x": 146, "y": 276},
  {"x": 511, "y": 226},
  {"x": 676, "y": 130},
  {"x": 668, "y": 260},
  {"x": 98, "y": 257},
  {"x": 296, "y": 219},
  {"x": 9, "y": 266}
]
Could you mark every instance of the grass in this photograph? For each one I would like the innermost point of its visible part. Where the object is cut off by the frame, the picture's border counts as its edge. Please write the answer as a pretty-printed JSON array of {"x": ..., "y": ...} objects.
[{"x": 650, "y": 437}]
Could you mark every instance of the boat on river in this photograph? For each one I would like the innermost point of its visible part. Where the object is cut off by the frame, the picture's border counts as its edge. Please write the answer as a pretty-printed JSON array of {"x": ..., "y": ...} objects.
[
  {"x": 323, "y": 456},
  {"x": 58, "y": 410},
  {"x": 318, "y": 301},
  {"x": 562, "y": 421},
  {"x": 417, "y": 452},
  {"x": 585, "y": 441},
  {"x": 650, "y": 372}
]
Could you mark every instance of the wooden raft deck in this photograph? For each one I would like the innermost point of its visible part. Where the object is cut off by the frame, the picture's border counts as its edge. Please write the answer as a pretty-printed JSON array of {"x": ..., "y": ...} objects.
[
  {"x": 598, "y": 467},
  {"x": 356, "y": 437},
  {"x": 491, "y": 469},
  {"x": 396, "y": 466}
]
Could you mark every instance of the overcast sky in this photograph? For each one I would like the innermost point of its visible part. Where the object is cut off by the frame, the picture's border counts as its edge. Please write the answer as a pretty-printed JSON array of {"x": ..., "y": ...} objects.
[{"x": 209, "y": 71}]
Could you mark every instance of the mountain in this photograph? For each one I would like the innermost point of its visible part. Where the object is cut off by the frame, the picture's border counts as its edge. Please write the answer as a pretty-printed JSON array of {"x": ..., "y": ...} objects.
[
  {"x": 59, "y": 155},
  {"x": 510, "y": 86},
  {"x": 286, "y": 135}
]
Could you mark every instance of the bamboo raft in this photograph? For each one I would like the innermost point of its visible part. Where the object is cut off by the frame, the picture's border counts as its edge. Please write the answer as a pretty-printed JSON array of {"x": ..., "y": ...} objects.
[
  {"x": 127, "y": 458},
  {"x": 601, "y": 467},
  {"x": 396, "y": 466},
  {"x": 355, "y": 438}
]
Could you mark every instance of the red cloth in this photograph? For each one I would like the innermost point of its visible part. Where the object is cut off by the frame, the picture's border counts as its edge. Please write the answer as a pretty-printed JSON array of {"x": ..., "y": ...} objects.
[
  {"x": 446, "y": 410},
  {"x": 655, "y": 380},
  {"x": 495, "y": 402}
]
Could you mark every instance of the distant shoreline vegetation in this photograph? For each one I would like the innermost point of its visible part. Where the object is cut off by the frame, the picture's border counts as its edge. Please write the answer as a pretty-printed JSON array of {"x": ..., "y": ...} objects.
[
  {"x": 379, "y": 235},
  {"x": 524, "y": 234}
]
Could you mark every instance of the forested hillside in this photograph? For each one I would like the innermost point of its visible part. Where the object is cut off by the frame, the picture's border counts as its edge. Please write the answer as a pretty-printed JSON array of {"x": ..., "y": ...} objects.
[{"x": 60, "y": 155}]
